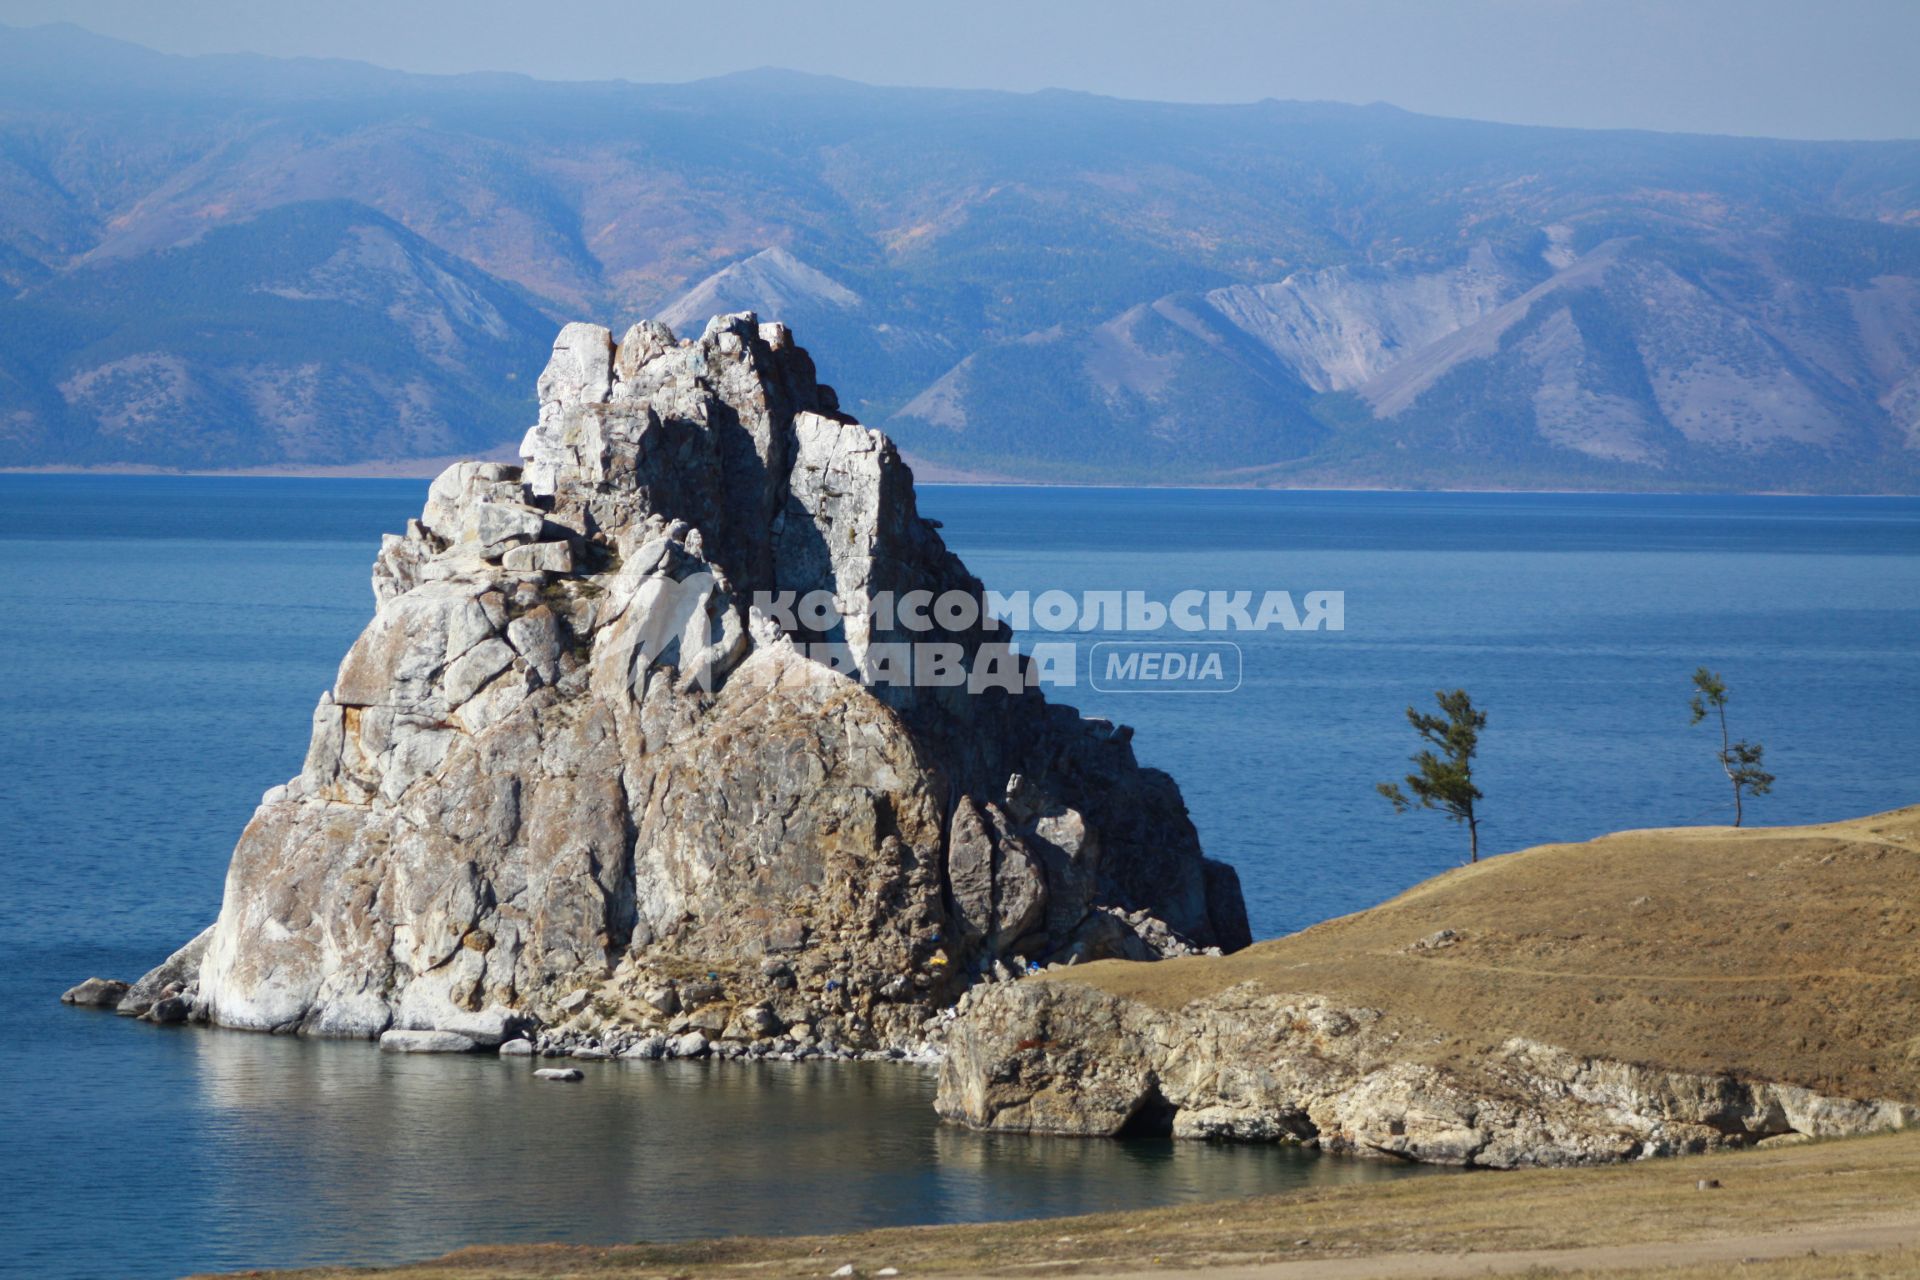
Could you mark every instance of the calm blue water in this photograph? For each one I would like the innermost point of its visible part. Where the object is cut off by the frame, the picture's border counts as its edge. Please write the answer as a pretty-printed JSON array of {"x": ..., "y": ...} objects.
[
  {"x": 166, "y": 639},
  {"x": 1574, "y": 620}
]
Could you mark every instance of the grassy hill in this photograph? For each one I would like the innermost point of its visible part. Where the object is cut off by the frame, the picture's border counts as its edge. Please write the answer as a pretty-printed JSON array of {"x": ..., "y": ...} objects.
[{"x": 1774, "y": 953}]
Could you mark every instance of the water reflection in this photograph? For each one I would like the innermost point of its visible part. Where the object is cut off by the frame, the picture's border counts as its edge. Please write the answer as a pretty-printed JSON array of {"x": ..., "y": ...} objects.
[{"x": 424, "y": 1154}]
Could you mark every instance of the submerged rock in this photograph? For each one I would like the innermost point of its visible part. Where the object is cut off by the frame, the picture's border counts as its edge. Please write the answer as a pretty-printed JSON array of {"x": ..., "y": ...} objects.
[
  {"x": 582, "y": 751},
  {"x": 96, "y": 993}
]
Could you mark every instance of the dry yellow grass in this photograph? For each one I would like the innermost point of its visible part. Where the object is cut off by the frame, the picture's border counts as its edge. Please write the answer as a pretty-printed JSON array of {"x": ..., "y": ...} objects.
[
  {"x": 1782, "y": 953},
  {"x": 1843, "y": 1266}
]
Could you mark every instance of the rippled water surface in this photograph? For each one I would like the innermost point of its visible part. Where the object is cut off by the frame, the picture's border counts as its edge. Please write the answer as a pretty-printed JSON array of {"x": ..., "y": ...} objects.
[{"x": 166, "y": 640}]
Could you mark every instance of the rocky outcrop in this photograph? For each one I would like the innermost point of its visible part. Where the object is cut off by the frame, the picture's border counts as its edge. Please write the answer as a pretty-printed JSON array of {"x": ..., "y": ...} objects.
[
  {"x": 1643, "y": 993},
  {"x": 95, "y": 993},
  {"x": 167, "y": 979},
  {"x": 1251, "y": 1065},
  {"x": 583, "y": 772},
  {"x": 426, "y": 1042}
]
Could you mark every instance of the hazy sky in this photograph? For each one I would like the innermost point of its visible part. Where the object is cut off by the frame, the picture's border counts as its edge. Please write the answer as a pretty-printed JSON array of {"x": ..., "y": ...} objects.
[{"x": 1790, "y": 68}]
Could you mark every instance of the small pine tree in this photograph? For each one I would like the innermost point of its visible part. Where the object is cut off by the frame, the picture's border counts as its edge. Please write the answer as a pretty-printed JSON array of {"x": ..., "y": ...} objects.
[
  {"x": 1740, "y": 761},
  {"x": 1444, "y": 777}
]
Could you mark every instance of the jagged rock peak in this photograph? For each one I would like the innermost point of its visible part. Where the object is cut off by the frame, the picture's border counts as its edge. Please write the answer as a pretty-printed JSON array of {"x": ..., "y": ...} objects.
[{"x": 576, "y": 764}]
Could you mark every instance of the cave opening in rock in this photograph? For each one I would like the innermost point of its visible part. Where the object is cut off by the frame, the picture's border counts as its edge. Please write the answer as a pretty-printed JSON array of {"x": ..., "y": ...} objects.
[{"x": 1152, "y": 1117}]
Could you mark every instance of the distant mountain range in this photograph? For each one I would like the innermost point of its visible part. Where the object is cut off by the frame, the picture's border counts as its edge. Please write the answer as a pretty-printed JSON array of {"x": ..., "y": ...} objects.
[{"x": 240, "y": 261}]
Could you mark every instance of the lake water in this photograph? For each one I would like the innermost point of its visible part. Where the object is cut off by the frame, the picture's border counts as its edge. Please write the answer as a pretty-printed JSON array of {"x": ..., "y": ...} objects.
[{"x": 166, "y": 639}]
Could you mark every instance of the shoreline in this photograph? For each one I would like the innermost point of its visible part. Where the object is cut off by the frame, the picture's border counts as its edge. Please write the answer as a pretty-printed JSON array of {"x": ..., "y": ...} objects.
[
  {"x": 927, "y": 475},
  {"x": 383, "y": 469},
  {"x": 1711, "y": 1211}
]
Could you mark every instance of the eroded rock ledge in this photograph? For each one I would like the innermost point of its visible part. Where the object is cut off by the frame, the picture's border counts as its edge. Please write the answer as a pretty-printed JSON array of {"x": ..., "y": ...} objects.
[
  {"x": 1645, "y": 993},
  {"x": 571, "y": 783},
  {"x": 1056, "y": 1057}
]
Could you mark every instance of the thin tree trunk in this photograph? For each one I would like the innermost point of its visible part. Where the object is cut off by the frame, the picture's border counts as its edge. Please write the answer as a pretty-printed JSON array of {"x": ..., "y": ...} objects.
[
  {"x": 1473, "y": 839},
  {"x": 1726, "y": 764}
]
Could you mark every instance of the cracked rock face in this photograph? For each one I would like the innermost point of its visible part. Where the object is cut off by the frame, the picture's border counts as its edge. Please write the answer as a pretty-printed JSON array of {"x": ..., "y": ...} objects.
[
  {"x": 570, "y": 766},
  {"x": 1252, "y": 1065}
]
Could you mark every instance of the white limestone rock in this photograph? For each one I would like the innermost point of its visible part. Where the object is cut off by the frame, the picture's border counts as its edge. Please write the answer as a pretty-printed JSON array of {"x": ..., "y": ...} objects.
[
  {"x": 539, "y": 557},
  {"x": 178, "y": 971},
  {"x": 425, "y": 1042},
  {"x": 1252, "y": 1065},
  {"x": 567, "y": 758}
]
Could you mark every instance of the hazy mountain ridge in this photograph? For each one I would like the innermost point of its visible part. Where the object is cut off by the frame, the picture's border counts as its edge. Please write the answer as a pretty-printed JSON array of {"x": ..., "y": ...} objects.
[
  {"x": 308, "y": 334},
  {"x": 1626, "y": 367},
  {"x": 1053, "y": 285}
]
